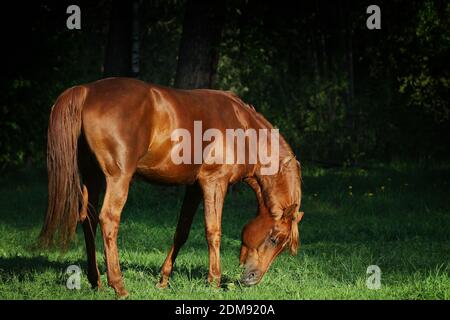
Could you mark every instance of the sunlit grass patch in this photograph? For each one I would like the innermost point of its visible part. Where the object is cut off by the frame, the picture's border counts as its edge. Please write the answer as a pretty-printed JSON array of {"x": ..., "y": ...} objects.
[{"x": 403, "y": 228}]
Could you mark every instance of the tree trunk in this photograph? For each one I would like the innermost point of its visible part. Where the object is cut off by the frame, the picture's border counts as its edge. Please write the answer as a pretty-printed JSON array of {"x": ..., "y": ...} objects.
[
  {"x": 118, "y": 48},
  {"x": 198, "y": 54}
]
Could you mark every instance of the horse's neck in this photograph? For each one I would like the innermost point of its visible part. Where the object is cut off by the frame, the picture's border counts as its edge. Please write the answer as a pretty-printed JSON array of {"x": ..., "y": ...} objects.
[
  {"x": 265, "y": 195},
  {"x": 255, "y": 185},
  {"x": 268, "y": 194},
  {"x": 281, "y": 190},
  {"x": 275, "y": 192}
]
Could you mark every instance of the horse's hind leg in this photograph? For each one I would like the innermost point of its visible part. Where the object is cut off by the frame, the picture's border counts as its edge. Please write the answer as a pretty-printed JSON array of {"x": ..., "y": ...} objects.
[
  {"x": 115, "y": 198},
  {"x": 93, "y": 184},
  {"x": 191, "y": 202},
  {"x": 91, "y": 190}
]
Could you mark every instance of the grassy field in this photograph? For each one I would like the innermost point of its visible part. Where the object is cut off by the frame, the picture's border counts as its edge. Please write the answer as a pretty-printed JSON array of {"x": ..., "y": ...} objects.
[{"x": 396, "y": 217}]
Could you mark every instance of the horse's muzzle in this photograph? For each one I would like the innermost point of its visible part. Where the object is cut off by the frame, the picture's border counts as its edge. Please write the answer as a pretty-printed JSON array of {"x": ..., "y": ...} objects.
[{"x": 251, "y": 277}]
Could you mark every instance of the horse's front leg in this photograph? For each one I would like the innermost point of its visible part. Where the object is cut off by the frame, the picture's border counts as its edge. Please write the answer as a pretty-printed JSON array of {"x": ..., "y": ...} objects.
[{"x": 214, "y": 195}]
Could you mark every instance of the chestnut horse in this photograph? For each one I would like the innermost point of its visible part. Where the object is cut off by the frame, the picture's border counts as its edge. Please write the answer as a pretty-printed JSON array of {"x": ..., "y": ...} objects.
[{"x": 110, "y": 130}]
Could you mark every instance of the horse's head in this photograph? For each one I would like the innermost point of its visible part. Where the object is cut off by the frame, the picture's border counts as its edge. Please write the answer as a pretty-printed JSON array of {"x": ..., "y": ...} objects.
[
  {"x": 264, "y": 238},
  {"x": 276, "y": 225}
]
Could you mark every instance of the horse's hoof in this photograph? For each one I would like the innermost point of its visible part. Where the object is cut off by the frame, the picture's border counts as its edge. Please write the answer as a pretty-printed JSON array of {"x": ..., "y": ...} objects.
[
  {"x": 214, "y": 282},
  {"x": 122, "y": 294},
  {"x": 162, "y": 284}
]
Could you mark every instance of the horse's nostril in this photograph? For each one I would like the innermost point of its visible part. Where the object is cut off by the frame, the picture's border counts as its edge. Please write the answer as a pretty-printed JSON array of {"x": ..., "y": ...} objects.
[
  {"x": 251, "y": 275},
  {"x": 250, "y": 278}
]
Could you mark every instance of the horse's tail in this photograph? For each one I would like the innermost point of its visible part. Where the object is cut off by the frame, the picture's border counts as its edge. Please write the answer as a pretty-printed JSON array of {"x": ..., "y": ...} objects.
[{"x": 64, "y": 189}]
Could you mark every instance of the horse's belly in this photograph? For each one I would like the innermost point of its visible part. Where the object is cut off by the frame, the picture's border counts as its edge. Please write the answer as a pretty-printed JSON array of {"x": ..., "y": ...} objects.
[{"x": 165, "y": 171}]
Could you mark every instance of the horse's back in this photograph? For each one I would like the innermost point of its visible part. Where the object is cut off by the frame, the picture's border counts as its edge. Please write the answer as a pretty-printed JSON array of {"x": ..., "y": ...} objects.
[
  {"x": 126, "y": 97},
  {"x": 128, "y": 124}
]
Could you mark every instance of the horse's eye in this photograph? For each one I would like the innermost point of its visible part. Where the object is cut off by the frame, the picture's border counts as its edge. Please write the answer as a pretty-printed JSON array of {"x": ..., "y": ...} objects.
[{"x": 273, "y": 241}]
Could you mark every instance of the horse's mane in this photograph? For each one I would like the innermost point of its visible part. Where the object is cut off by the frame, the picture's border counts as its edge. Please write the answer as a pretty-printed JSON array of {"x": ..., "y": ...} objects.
[
  {"x": 236, "y": 99},
  {"x": 293, "y": 239},
  {"x": 288, "y": 173}
]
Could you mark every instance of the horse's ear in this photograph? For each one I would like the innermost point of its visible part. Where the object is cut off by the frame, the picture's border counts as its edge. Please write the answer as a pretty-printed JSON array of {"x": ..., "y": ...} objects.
[
  {"x": 289, "y": 211},
  {"x": 298, "y": 216}
]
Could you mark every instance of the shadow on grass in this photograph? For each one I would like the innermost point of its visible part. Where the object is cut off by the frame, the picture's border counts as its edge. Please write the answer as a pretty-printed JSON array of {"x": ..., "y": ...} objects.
[
  {"x": 24, "y": 268},
  {"x": 194, "y": 273}
]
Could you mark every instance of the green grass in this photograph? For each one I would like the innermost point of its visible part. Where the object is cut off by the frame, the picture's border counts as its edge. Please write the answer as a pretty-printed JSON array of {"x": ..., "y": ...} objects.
[{"x": 396, "y": 217}]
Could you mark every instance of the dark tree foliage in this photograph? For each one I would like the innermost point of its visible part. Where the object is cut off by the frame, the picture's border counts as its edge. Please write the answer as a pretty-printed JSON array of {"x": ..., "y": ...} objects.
[
  {"x": 40, "y": 59},
  {"x": 340, "y": 93}
]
